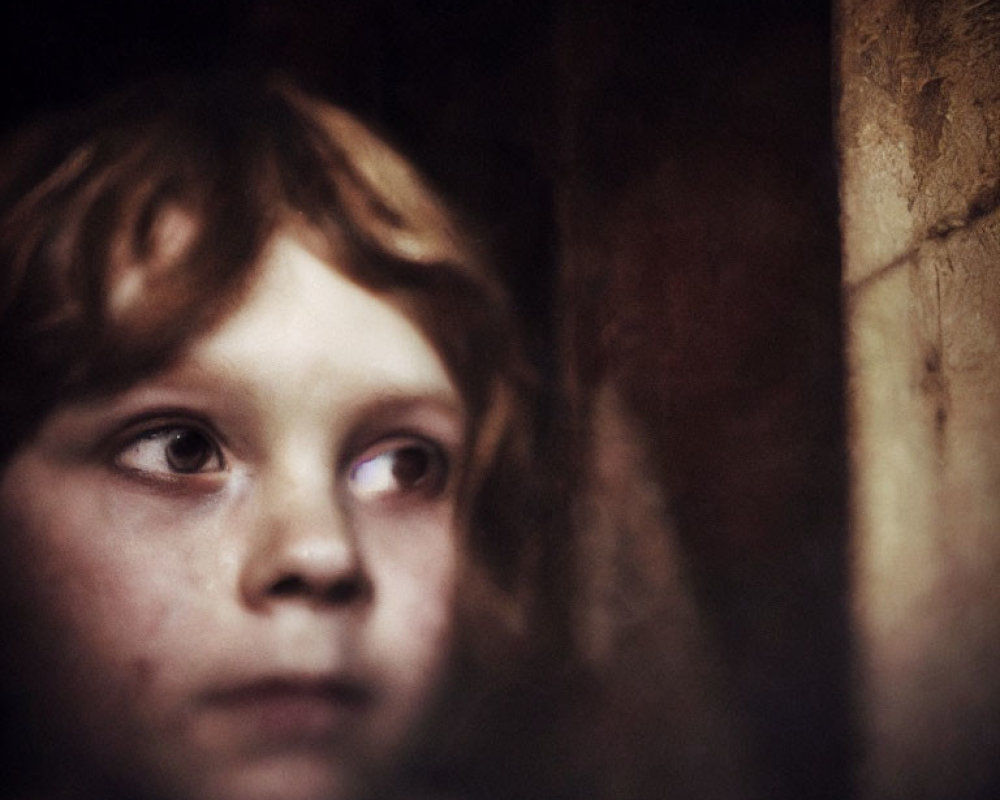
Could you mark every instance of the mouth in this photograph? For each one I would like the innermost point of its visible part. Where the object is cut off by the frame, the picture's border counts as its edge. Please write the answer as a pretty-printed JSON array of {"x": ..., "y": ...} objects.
[{"x": 291, "y": 710}]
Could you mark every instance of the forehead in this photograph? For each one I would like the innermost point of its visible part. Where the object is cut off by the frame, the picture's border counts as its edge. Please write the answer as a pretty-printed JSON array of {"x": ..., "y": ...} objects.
[{"x": 302, "y": 322}]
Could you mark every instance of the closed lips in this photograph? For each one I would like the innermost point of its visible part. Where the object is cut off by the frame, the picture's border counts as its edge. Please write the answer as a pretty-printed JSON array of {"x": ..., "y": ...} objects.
[{"x": 292, "y": 708}]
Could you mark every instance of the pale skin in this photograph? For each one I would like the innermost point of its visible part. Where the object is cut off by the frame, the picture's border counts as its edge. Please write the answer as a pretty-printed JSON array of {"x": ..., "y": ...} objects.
[{"x": 243, "y": 568}]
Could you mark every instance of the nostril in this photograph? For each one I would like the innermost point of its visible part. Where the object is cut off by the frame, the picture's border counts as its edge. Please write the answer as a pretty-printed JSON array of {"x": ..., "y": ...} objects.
[
  {"x": 343, "y": 591},
  {"x": 289, "y": 586},
  {"x": 340, "y": 591}
]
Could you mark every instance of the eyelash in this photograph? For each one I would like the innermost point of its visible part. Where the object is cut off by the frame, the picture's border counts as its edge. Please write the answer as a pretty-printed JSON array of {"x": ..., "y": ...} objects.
[
  {"x": 419, "y": 465},
  {"x": 395, "y": 468},
  {"x": 134, "y": 456}
]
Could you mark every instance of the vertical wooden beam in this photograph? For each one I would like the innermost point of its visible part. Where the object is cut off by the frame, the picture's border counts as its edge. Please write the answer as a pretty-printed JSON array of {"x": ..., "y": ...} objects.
[{"x": 919, "y": 138}]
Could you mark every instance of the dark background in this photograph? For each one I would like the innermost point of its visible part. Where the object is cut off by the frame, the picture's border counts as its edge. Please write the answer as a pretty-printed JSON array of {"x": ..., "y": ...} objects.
[{"x": 661, "y": 179}]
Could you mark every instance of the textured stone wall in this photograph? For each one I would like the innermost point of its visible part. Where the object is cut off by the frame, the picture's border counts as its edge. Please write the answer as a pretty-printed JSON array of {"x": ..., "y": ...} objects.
[{"x": 919, "y": 134}]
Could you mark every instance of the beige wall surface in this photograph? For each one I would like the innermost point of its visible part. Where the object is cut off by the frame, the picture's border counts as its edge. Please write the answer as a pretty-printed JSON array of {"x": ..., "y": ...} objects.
[{"x": 919, "y": 135}]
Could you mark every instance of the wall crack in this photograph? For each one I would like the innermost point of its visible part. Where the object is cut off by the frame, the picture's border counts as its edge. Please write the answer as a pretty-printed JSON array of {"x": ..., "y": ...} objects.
[{"x": 984, "y": 204}]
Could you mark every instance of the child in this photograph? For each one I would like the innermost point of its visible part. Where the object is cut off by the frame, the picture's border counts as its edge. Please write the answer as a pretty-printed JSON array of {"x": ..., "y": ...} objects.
[{"x": 258, "y": 388}]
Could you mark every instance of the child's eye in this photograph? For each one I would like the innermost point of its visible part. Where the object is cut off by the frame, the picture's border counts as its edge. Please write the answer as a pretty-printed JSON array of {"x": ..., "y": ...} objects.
[
  {"x": 172, "y": 449},
  {"x": 399, "y": 467}
]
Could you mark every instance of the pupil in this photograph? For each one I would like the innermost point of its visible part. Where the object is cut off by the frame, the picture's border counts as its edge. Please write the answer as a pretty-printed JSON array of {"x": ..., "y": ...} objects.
[
  {"x": 187, "y": 451},
  {"x": 411, "y": 465}
]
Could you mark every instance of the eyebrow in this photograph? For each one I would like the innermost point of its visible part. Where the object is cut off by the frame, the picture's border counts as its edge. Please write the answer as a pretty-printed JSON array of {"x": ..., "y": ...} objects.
[
  {"x": 191, "y": 382},
  {"x": 392, "y": 396},
  {"x": 402, "y": 397}
]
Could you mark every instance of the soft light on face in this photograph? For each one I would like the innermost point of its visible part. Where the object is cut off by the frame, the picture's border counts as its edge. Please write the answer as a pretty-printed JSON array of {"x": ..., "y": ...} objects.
[{"x": 239, "y": 574}]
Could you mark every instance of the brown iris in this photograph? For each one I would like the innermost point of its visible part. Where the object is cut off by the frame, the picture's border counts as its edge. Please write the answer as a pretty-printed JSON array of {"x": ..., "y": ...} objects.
[{"x": 188, "y": 450}]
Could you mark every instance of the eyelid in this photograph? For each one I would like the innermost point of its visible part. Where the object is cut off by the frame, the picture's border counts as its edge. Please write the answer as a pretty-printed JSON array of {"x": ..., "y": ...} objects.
[
  {"x": 442, "y": 459},
  {"x": 151, "y": 423},
  {"x": 158, "y": 419},
  {"x": 424, "y": 418}
]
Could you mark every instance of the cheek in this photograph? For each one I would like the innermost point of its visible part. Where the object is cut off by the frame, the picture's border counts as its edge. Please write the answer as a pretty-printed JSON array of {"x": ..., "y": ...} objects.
[
  {"x": 90, "y": 599},
  {"x": 415, "y": 574}
]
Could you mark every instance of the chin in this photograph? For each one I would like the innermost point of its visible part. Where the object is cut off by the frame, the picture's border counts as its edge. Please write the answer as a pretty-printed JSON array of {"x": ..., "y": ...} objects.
[{"x": 284, "y": 777}]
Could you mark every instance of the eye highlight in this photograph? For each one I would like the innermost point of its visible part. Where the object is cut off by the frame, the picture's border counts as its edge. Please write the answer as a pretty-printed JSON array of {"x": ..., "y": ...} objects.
[
  {"x": 398, "y": 469},
  {"x": 172, "y": 450}
]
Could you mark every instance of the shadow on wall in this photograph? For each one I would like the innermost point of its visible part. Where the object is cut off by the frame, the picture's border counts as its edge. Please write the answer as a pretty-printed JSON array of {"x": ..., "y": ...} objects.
[{"x": 701, "y": 241}]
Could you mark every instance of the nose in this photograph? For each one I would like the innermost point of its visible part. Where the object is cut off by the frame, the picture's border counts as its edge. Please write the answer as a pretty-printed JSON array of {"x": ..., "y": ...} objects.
[{"x": 302, "y": 550}]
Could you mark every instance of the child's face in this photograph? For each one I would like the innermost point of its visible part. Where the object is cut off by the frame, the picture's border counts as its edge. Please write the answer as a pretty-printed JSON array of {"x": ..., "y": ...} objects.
[{"x": 240, "y": 572}]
